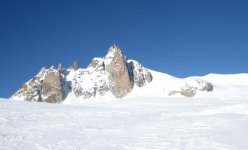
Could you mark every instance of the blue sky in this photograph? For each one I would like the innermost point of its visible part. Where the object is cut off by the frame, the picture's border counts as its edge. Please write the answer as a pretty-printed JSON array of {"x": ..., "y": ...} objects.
[{"x": 181, "y": 38}]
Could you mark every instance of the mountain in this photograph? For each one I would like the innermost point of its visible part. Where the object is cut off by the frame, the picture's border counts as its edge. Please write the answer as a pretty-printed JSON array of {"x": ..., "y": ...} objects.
[
  {"x": 148, "y": 118},
  {"x": 112, "y": 76}
]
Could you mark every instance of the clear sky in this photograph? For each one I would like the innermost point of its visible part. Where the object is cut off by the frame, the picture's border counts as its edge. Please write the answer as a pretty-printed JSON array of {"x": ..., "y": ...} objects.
[{"x": 178, "y": 37}]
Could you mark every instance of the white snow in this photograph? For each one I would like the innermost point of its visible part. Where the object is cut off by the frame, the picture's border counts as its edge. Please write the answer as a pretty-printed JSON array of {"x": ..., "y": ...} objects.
[{"x": 131, "y": 123}]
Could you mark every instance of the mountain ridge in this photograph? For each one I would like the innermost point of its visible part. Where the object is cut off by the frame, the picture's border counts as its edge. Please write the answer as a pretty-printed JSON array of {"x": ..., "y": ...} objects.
[{"x": 112, "y": 75}]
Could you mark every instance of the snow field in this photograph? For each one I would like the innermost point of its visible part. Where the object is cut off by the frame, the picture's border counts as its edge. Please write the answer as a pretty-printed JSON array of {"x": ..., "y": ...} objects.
[{"x": 133, "y": 123}]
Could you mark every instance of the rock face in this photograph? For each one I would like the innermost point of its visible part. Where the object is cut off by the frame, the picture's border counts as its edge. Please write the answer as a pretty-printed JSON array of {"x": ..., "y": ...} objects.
[
  {"x": 109, "y": 74},
  {"x": 51, "y": 87},
  {"x": 46, "y": 86},
  {"x": 116, "y": 67},
  {"x": 29, "y": 90},
  {"x": 139, "y": 75}
]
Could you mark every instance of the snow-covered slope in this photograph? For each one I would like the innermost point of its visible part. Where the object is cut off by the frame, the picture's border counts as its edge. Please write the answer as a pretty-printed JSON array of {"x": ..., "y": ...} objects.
[
  {"x": 224, "y": 86},
  {"x": 151, "y": 123},
  {"x": 228, "y": 86}
]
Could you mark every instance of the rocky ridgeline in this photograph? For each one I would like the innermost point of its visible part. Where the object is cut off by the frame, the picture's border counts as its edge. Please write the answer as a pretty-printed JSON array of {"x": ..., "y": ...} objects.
[
  {"x": 110, "y": 74},
  {"x": 113, "y": 73}
]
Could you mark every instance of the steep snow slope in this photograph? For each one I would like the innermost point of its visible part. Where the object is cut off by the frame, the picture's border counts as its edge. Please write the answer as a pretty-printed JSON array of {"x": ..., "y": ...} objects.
[{"x": 126, "y": 124}]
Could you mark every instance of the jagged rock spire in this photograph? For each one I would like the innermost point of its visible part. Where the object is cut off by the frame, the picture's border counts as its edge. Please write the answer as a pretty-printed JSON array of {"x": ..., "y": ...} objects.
[
  {"x": 60, "y": 68},
  {"x": 112, "y": 73},
  {"x": 75, "y": 66},
  {"x": 113, "y": 50},
  {"x": 116, "y": 66}
]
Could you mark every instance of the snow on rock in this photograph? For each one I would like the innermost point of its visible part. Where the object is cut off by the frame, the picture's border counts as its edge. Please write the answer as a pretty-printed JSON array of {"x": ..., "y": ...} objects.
[
  {"x": 75, "y": 66},
  {"x": 46, "y": 86},
  {"x": 190, "y": 89},
  {"x": 110, "y": 75},
  {"x": 138, "y": 73},
  {"x": 29, "y": 91}
]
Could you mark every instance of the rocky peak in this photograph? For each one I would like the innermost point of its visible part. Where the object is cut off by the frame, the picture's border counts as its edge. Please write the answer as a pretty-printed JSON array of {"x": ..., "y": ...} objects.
[
  {"x": 114, "y": 51},
  {"x": 60, "y": 68},
  {"x": 75, "y": 66},
  {"x": 116, "y": 67},
  {"x": 46, "y": 86},
  {"x": 110, "y": 74}
]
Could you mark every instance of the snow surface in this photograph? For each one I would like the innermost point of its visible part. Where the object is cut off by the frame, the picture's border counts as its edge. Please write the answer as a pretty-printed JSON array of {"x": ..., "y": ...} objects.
[{"x": 128, "y": 124}]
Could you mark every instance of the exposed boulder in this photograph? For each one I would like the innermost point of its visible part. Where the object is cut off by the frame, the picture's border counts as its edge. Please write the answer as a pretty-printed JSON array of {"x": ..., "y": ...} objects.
[
  {"x": 204, "y": 85},
  {"x": 189, "y": 90},
  {"x": 115, "y": 64}
]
